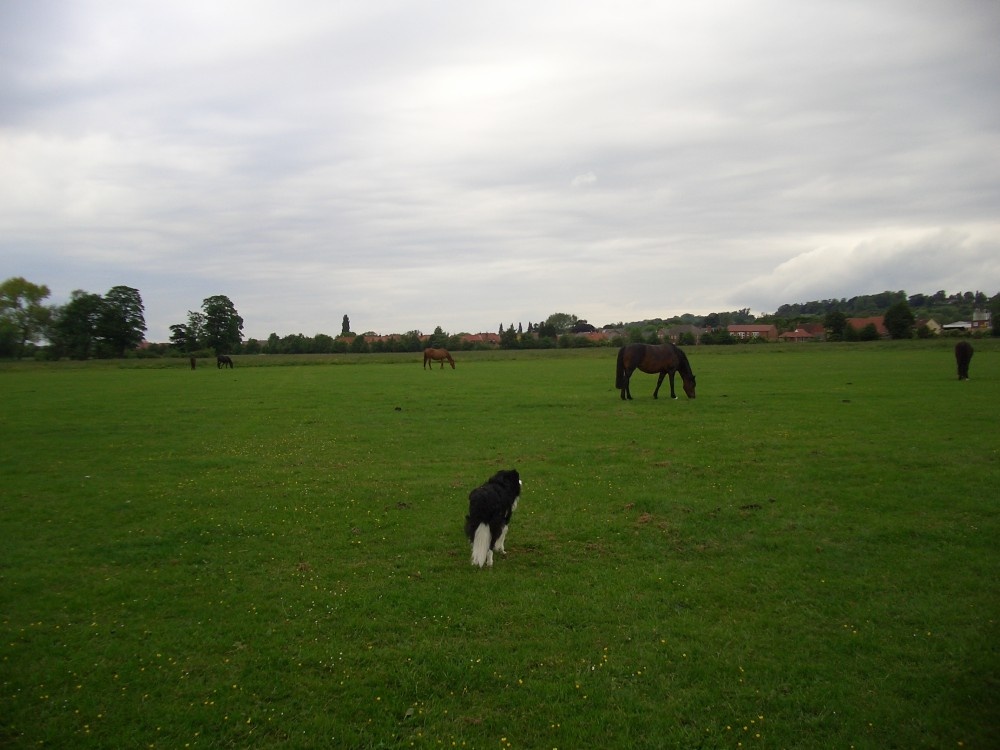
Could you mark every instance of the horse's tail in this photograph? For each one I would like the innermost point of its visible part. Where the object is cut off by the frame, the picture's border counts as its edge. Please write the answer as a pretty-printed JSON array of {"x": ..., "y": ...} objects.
[
  {"x": 481, "y": 545},
  {"x": 620, "y": 370}
]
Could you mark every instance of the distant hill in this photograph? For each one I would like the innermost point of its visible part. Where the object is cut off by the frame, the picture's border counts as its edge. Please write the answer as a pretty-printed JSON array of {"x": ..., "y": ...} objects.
[{"x": 941, "y": 306}]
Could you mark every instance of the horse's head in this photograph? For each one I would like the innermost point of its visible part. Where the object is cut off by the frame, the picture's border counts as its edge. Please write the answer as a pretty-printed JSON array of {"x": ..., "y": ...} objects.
[
  {"x": 689, "y": 384},
  {"x": 452, "y": 363}
]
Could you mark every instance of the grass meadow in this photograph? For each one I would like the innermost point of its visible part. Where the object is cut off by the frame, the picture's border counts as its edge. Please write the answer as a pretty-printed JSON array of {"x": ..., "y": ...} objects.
[{"x": 805, "y": 556}]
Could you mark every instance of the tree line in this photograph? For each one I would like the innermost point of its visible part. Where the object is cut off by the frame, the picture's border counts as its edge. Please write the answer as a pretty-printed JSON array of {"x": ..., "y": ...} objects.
[
  {"x": 103, "y": 326},
  {"x": 89, "y": 325},
  {"x": 113, "y": 325}
]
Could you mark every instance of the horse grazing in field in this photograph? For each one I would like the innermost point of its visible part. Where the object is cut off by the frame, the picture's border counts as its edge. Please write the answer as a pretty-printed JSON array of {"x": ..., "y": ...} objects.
[
  {"x": 666, "y": 359},
  {"x": 437, "y": 355},
  {"x": 224, "y": 361},
  {"x": 963, "y": 356}
]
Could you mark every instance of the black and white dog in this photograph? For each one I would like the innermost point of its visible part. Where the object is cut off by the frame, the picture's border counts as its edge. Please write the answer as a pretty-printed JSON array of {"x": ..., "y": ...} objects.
[{"x": 490, "y": 509}]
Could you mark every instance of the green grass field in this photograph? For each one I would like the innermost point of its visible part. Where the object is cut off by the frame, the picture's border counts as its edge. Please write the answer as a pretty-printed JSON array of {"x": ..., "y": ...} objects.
[{"x": 273, "y": 556}]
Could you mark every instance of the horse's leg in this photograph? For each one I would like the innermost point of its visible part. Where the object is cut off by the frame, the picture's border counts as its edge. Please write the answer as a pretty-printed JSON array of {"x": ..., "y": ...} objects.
[
  {"x": 659, "y": 382},
  {"x": 626, "y": 390},
  {"x": 672, "y": 394}
]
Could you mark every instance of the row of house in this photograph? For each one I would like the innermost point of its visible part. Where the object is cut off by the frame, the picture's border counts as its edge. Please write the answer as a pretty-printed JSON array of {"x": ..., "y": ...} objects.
[
  {"x": 489, "y": 339},
  {"x": 981, "y": 320}
]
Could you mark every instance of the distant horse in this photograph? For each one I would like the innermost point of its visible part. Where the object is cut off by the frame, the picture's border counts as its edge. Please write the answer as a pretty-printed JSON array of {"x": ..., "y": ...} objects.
[
  {"x": 223, "y": 361},
  {"x": 194, "y": 363},
  {"x": 437, "y": 355},
  {"x": 665, "y": 359},
  {"x": 963, "y": 356}
]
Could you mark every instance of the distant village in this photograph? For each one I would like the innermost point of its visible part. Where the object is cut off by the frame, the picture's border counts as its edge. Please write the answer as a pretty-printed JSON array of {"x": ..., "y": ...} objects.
[{"x": 577, "y": 333}]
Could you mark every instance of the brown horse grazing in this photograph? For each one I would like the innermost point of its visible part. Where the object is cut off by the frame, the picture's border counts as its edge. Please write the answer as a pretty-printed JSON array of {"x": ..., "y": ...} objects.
[
  {"x": 223, "y": 361},
  {"x": 437, "y": 355},
  {"x": 665, "y": 359},
  {"x": 963, "y": 356}
]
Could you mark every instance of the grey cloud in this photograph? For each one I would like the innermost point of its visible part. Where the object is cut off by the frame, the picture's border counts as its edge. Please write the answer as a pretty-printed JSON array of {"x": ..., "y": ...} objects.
[{"x": 313, "y": 159}]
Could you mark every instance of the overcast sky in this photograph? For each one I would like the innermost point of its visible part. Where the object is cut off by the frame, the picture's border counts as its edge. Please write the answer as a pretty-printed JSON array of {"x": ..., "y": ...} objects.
[{"x": 467, "y": 163}]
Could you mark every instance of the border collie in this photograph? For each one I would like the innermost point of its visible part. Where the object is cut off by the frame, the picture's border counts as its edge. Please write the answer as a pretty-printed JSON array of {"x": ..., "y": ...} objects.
[{"x": 490, "y": 508}]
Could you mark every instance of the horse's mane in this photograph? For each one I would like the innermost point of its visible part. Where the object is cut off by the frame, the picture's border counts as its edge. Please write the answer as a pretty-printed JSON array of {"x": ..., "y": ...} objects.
[{"x": 682, "y": 362}]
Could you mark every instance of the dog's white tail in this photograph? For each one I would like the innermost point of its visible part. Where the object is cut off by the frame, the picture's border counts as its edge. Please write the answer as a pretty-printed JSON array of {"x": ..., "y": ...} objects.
[{"x": 481, "y": 553}]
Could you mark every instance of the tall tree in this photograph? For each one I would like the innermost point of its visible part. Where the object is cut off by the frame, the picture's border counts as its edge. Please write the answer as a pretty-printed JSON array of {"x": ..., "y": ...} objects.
[
  {"x": 508, "y": 338},
  {"x": 121, "y": 324},
  {"x": 189, "y": 336},
  {"x": 562, "y": 322},
  {"x": 223, "y": 329},
  {"x": 438, "y": 339},
  {"x": 76, "y": 325},
  {"x": 899, "y": 320},
  {"x": 345, "y": 327},
  {"x": 836, "y": 322},
  {"x": 23, "y": 316}
]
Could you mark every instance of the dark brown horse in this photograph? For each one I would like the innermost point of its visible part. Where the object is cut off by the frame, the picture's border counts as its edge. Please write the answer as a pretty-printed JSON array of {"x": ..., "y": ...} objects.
[
  {"x": 223, "y": 361},
  {"x": 437, "y": 355},
  {"x": 963, "y": 356},
  {"x": 665, "y": 359}
]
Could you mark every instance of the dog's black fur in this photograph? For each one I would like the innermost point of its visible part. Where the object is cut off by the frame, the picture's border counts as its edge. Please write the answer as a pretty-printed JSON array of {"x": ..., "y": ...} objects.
[{"x": 490, "y": 508}]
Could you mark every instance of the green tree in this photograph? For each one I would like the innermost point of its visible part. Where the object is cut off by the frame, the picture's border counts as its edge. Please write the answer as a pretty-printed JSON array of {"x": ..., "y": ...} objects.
[
  {"x": 561, "y": 322},
  {"x": 546, "y": 330},
  {"x": 720, "y": 336},
  {"x": 899, "y": 320},
  {"x": 223, "y": 329},
  {"x": 438, "y": 339},
  {"x": 359, "y": 345},
  {"x": 121, "y": 324},
  {"x": 76, "y": 323},
  {"x": 322, "y": 343},
  {"x": 22, "y": 313},
  {"x": 868, "y": 333},
  {"x": 411, "y": 341},
  {"x": 188, "y": 337},
  {"x": 835, "y": 322},
  {"x": 508, "y": 338},
  {"x": 345, "y": 327},
  {"x": 8, "y": 337}
]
